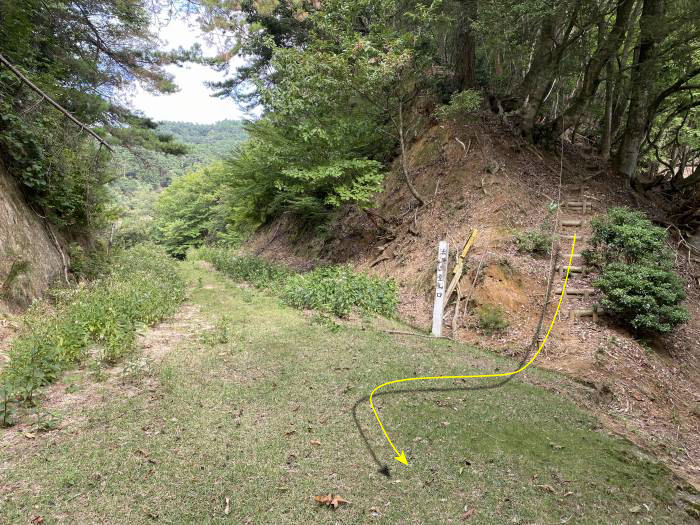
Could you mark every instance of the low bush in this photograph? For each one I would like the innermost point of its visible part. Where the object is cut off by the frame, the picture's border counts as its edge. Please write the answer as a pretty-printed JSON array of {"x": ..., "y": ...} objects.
[
  {"x": 339, "y": 290},
  {"x": 334, "y": 289},
  {"x": 254, "y": 270},
  {"x": 637, "y": 276},
  {"x": 461, "y": 104},
  {"x": 533, "y": 241},
  {"x": 492, "y": 319},
  {"x": 646, "y": 298},
  {"x": 626, "y": 236},
  {"x": 141, "y": 288}
]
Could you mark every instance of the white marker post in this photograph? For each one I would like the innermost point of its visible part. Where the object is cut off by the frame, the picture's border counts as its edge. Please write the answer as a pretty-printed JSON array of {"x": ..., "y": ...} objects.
[{"x": 443, "y": 255}]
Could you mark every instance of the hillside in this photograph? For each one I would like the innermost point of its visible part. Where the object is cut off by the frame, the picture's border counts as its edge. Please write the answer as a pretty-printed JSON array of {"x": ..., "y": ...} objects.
[
  {"x": 502, "y": 186},
  {"x": 205, "y": 143},
  {"x": 237, "y": 322}
]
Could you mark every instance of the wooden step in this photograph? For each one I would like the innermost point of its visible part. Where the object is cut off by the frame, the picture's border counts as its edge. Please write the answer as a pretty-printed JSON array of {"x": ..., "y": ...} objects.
[
  {"x": 571, "y": 223},
  {"x": 583, "y": 206},
  {"x": 588, "y": 312},
  {"x": 567, "y": 237},
  {"x": 574, "y": 269},
  {"x": 585, "y": 292}
]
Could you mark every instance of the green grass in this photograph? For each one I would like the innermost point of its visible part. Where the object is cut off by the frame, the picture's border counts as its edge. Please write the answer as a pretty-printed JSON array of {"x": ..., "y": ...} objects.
[{"x": 237, "y": 420}]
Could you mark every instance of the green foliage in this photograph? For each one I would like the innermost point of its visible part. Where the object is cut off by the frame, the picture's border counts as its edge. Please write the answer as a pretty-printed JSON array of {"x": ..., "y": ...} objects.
[
  {"x": 340, "y": 291},
  {"x": 637, "y": 277},
  {"x": 88, "y": 264},
  {"x": 646, "y": 298},
  {"x": 142, "y": 287},
  {"x": 7, "y": 411},
  {"x": 492, "y": 319},
  {"x": 334, "y": 289},
  {"x": 461, "y": 104},
  {"x": 628, "y": 236},
  {"x": 248, "y": 268},
  {"x": 533, "y": 241},
  {"x": 194, "y": 209}
]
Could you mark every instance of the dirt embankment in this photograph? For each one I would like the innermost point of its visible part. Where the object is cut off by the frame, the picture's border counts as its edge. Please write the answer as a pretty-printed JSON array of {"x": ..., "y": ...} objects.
[
  {"x": 32, "y": 256},
  {"x": 480, "y": 176},
  {"x": 29, "y": 249}
]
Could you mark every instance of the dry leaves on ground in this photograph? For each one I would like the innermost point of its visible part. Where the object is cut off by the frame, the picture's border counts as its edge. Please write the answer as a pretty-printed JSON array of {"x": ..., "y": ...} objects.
[{"x": 330, "y": 500}]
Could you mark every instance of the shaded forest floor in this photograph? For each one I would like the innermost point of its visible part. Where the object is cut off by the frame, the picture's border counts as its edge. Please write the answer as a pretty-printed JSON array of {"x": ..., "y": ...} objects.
[{"x": 241, "y": 410}]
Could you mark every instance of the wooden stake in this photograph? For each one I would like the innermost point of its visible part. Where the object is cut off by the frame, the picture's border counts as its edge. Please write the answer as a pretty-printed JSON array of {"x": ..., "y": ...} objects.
[{"x": 459, "y": 267}]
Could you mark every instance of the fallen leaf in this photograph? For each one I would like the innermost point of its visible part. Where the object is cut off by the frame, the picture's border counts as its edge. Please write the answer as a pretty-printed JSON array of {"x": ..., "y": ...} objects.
[
  {"x": 636, "y": 509},
  {"x": 315, "y": 442},
  {"x": 30, "y": 435},
  {"x": 36, "y": 520},
  {"x": 227, "y": 510},
  {"x": 468, "y": 514},
  {"x": 547, "y": 488},
  {"x": 330, "y": 500}
]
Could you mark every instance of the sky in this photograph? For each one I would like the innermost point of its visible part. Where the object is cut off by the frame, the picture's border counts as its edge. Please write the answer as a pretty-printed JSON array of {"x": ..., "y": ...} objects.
[{"x": 193, "y": 103}]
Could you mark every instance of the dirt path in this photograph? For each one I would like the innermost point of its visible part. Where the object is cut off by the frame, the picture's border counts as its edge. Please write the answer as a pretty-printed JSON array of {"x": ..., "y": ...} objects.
[
  {"x": 80, "y": 392},
  {"x": 240, "y": 410}
]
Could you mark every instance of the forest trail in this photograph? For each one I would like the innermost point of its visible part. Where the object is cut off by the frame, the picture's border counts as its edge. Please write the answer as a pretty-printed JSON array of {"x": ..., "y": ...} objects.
[{"x": 242, "y": 411}]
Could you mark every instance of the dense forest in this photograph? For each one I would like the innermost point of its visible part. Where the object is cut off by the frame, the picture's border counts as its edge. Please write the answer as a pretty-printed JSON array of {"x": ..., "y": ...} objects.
[
  {"x": 344, "y": 86},
  {"x": 145, "y": 172}
]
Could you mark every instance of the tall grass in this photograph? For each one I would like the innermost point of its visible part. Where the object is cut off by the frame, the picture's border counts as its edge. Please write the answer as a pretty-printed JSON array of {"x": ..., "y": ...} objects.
[{"x": 334, "y": 289}]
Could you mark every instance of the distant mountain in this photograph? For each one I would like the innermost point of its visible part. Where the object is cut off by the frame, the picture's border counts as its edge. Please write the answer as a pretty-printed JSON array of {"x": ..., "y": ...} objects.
[{"x": 207, "y": 143}]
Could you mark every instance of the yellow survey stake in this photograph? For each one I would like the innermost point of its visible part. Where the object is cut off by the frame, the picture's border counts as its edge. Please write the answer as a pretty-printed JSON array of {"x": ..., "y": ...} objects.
[{"x": 401, "y": 457}]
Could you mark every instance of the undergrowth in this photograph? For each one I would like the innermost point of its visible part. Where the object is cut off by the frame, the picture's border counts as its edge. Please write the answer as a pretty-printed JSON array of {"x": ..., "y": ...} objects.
[
  {"x": 337, "y": 290},
  {"x": 98, "y": 319},
  {"x": 533, "y": 241},
  {"x": 492, "y": 319},
  {"x": 637, "y": 279}
]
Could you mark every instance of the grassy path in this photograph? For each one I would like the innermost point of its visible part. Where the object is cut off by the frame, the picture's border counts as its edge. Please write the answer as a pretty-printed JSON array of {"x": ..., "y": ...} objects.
[{"x": 257, "y": 411}]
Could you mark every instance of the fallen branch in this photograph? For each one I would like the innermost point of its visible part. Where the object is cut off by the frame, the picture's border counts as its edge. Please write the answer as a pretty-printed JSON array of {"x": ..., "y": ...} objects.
[{"x": 379, "y": 260}]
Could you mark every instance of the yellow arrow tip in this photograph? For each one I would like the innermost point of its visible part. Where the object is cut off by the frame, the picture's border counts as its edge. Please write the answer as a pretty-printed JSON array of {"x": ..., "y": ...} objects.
[{"x": 401, "y": 458}]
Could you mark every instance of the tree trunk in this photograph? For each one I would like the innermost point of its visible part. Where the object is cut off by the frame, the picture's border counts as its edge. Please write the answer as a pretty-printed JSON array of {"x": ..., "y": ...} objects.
[
  {"x": 643, "y": 75},
  {"x": 607, "y": 48},
  {"x": 606, "y": 138},
  {"x": 404, "y": 159},
  {"x": 465, "y": 46}
]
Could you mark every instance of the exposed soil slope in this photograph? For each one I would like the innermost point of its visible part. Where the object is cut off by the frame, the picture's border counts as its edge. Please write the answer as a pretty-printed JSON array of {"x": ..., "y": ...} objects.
[{"x": 479, "y": 175}]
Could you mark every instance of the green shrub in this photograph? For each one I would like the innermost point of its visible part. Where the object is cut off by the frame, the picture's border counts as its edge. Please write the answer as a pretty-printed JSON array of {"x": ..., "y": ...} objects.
[
  {"x": 461, "y": 104},
  {"x": 339, "y": 290},
  {"x": 248, "y": 268},
  {"x": 647, "y": 298},
  {"x": 533, "y": 241},
  {"x": 142, "y": 287},
  {"x": 492, "y": 319},
  {"x": 333, "y": 289},
  {"x": 637, "y": 279},
  {"x": 626, "y": 236}
]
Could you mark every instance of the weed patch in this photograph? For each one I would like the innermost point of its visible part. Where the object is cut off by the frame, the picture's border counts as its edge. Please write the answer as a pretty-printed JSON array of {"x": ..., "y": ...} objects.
[
  {"x": 533, "y": 241},
  {"x": 337, "y": 290},
  {"x": 142, "y": 288},
  {"x": 492, "y": 319}
]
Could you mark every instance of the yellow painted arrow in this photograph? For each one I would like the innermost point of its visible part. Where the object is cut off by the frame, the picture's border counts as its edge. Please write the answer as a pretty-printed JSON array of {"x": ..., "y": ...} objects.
[{"x": 401, "y": 457}]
